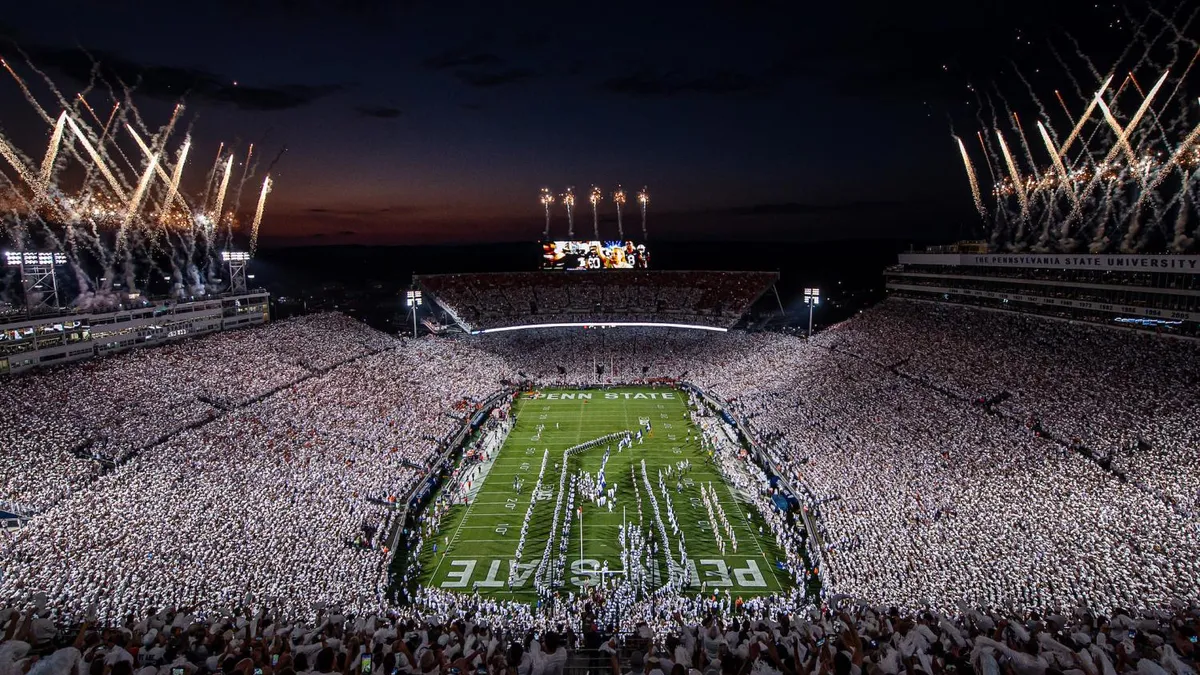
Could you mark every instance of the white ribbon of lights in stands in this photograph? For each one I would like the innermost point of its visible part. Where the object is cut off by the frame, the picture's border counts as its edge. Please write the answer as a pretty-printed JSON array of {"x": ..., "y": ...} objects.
[{"x": 623, "y": 324}]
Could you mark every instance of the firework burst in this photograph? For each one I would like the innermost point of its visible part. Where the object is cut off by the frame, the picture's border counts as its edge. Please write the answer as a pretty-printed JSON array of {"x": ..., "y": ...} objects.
[
  {"x": 130, "y": 219},
  {"x": 1125, "y": 177}
]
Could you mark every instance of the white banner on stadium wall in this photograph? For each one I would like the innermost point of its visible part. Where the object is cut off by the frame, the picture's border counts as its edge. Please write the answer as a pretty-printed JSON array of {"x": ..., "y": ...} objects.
[
  {"x": 1131, "y": 310},
  {"x": 1170, "y": 264}
]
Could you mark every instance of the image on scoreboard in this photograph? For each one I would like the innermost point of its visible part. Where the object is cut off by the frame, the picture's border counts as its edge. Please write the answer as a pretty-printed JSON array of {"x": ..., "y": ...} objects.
[{"x": 594, "y": 255}]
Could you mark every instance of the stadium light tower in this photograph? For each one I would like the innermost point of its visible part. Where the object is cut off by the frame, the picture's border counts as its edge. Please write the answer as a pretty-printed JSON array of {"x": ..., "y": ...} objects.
[
  {"x": 414, "y": 301},
  {"x": 547, "y": 199},
  {"x": 39, "y": 278},
  {"x": 237, "y": 261},
  {"x": 812, "y": 298}
]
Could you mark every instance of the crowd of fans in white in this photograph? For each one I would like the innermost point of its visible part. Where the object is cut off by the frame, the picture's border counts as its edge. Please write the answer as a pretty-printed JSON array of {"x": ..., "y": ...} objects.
[
  {"x": 760, "y": 638},
  {"x": 111, "y": 408},
  {"x": 247, "y": 462},
  {"x": 516, "y": 298}
]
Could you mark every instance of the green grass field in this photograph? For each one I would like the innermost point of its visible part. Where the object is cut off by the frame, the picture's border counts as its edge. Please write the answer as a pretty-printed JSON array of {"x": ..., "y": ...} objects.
[{"x": 482, "y": 536}]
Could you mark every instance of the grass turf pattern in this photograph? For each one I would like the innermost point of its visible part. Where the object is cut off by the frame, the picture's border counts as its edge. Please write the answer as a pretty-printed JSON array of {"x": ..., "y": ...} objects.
[{"x": 477, "y": 540}]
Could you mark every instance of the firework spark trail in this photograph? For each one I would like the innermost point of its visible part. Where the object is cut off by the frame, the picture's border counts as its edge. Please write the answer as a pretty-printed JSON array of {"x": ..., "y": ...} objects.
[
  {"x": 569, "y": 202},
  {"x": 89, "y": 169},
  {"x": 220, "y": 203},
  {"x": 1136, "y": 87},
  {"x": 1058, "y": 164},
  {"x": 135, "y": 202},
  {"x": 1070, "y": 117},
  {"x": 51, "y": 154},
  {"x": 153, "y": 157},
  {"x": 124, "y": 112},
  {"x": 1155, "y": 119},
  {"x": 212, "y": 174},
  {"x": 258, "y": 214},
  {"x": 1018, "y": 186},
  {"x": 79, "y": 97},
  {"x": 619, "y": 199},
  {"x": 644, "y": 200},
  {"x": 546, "y": 199},
  {"x": 594, "y": 198},
  {"x": 1176, "y": 158},
  {"x": 1182, "y": 78},
  {"x": 987, "y": 158},
  {"x": 1083, "y": 118},
  {"x": 96, "y": 150},
  {"x": 99, "y": 144},
  {"x": 1168, "y": 24},
  {"x": 173, "y": 191},
  {"x": 971, "y": 177},
  {"x": 108, "y": 122},
  {"x": 1025, "y": 146},
  {"x": 28, "y": 94},
  {"x": 100, "y": 164},
  {"x": 1085, "y": 155},
  {"x": 247, "y": 170},
  {"x": 111, "y": 192},
  {"x": 1122, "y": 142}
]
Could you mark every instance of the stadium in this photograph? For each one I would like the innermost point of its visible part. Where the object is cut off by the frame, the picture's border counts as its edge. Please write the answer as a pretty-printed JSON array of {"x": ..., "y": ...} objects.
[
  {"x": 598, "y": 466},
  {"x": 922, "y": 449}
]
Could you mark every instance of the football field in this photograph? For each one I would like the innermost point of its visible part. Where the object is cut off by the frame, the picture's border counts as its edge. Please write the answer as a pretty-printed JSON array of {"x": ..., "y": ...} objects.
[{"x": 477, "y": 541}]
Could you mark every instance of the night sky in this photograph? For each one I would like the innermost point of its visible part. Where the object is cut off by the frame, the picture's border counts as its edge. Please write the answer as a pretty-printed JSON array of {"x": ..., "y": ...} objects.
[{"x": 430, "y": 122}]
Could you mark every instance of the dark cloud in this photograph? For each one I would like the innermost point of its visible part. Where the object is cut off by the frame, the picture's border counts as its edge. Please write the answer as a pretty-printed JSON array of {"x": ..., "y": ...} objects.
[
  {"x": 366, "y": 212},
  {"x": 798, "y": 209},
  {"x": 533, "y": 39},
  {"x": 473, "y": 107},
  {"x": 461, "y": 58},
  {"x": 377, "y": 13},
  {"x": 485, "y": 79},
  {"x": 169, "y": 82},
  {"x": 648, "y": 84},
  {"x": 380, "y": 112}
]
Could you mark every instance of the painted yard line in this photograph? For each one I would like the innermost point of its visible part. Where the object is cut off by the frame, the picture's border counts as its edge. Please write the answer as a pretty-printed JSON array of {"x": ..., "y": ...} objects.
[
  {"x": 503, "y": 556},
  {"x": 457, "y": 530},
  {"x": 753, "y": 537}
]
